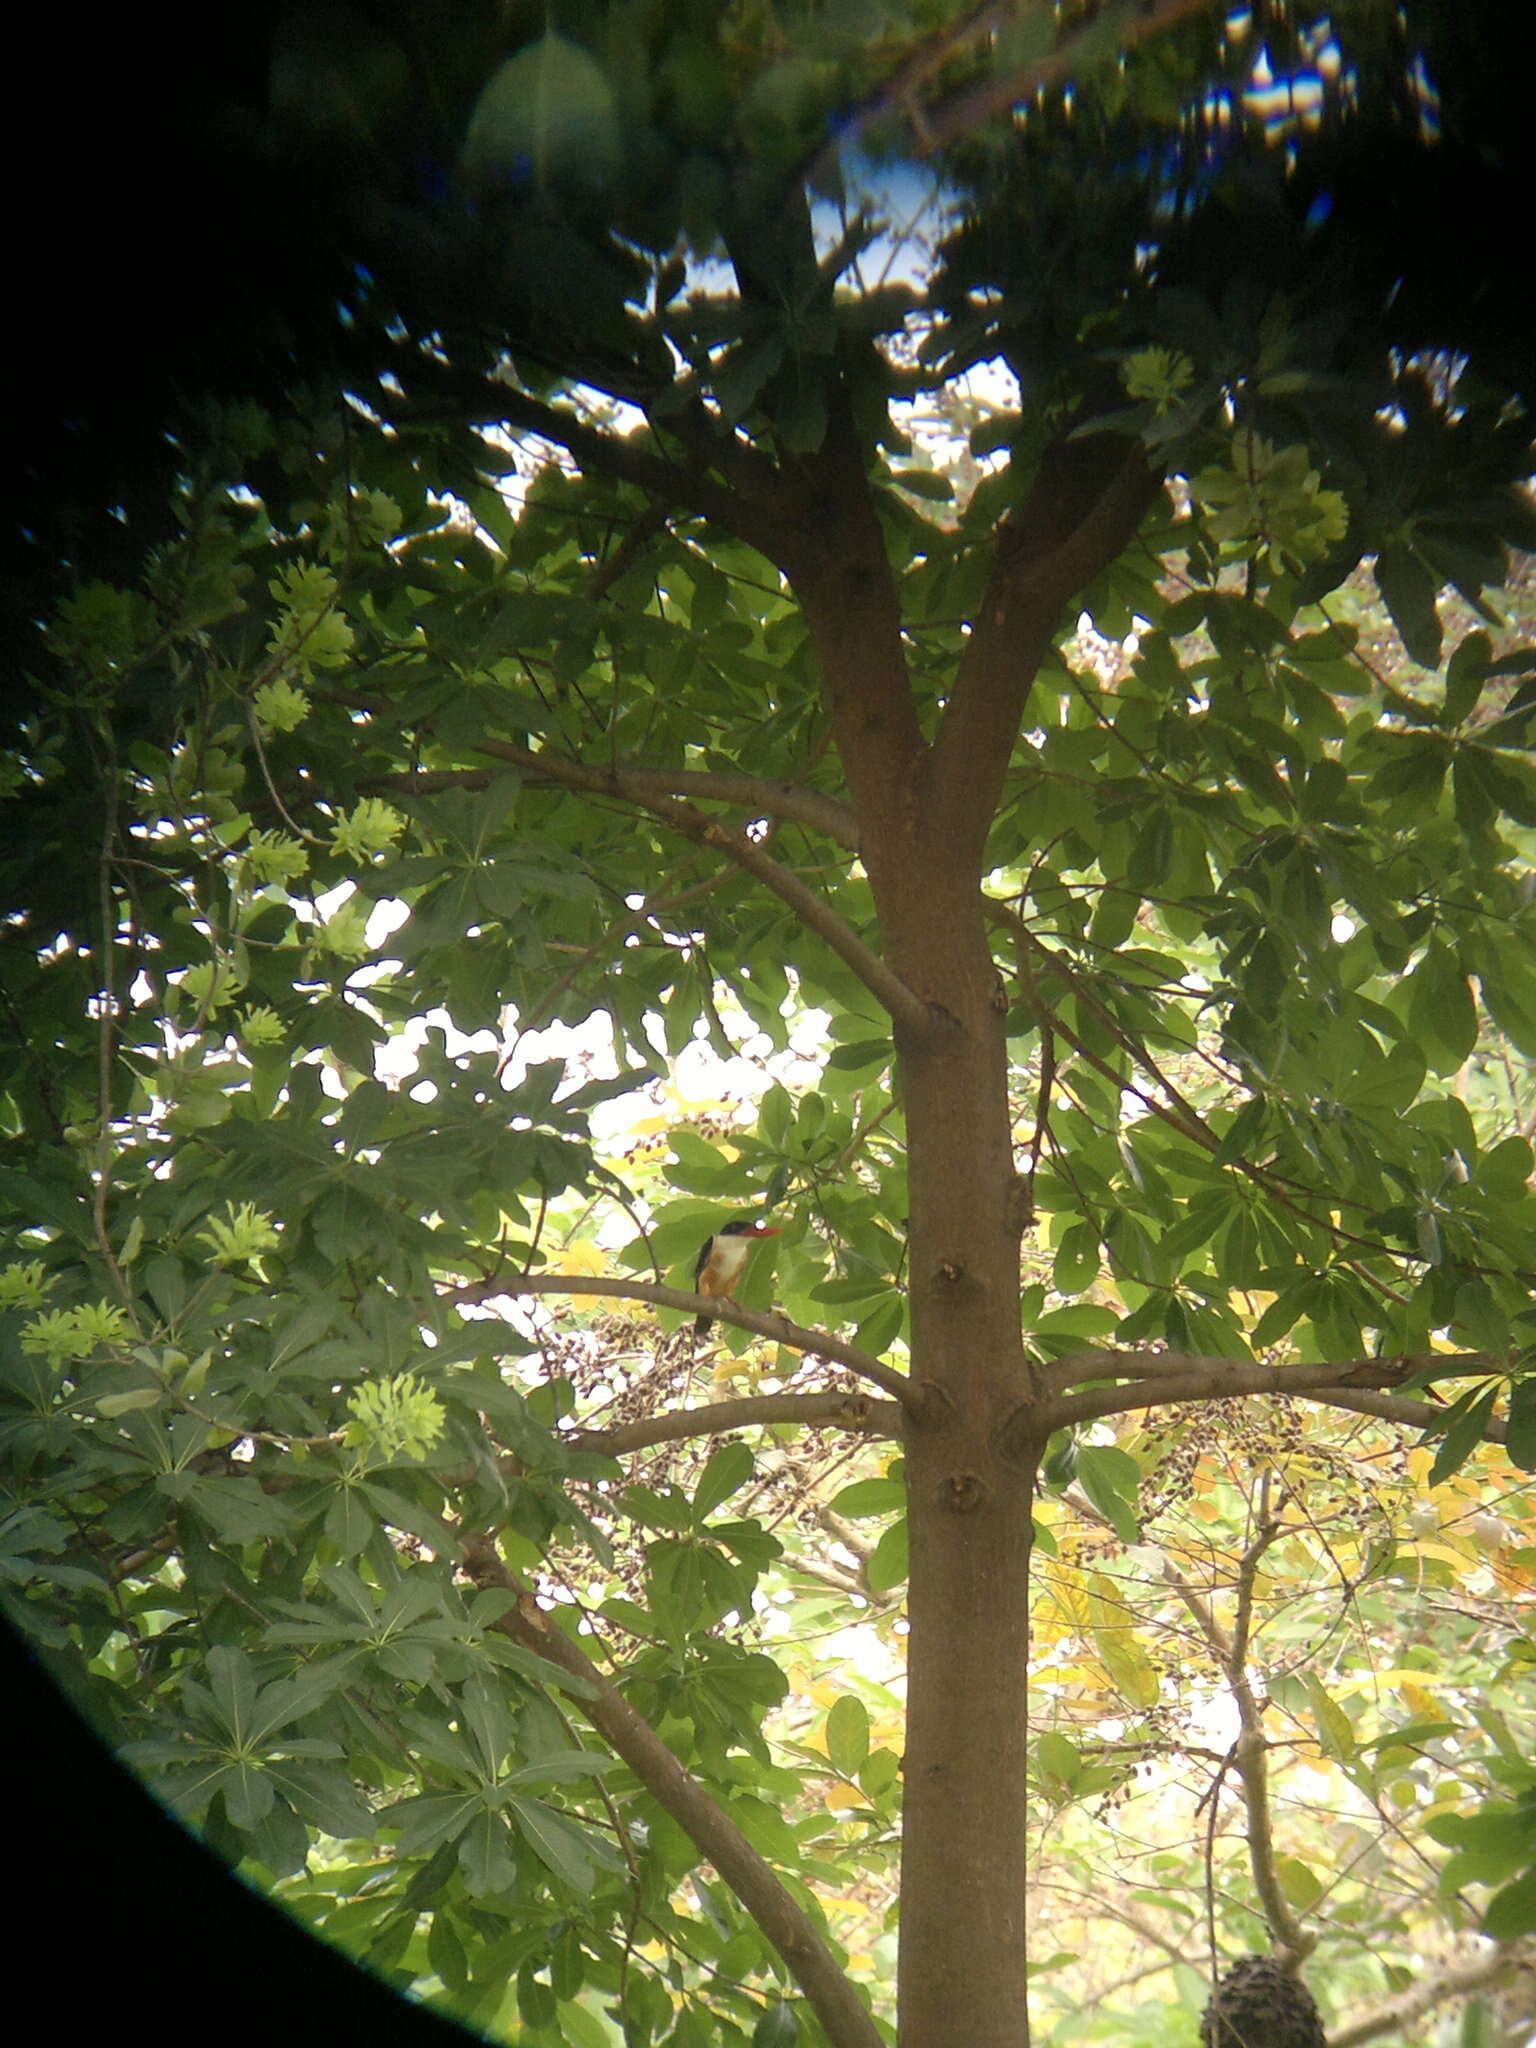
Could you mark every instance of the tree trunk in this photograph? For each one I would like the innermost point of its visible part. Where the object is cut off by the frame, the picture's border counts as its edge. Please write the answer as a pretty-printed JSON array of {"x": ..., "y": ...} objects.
[
  {"x": 962, "y": 1955},
  {"x": 962, "y": 1969}
]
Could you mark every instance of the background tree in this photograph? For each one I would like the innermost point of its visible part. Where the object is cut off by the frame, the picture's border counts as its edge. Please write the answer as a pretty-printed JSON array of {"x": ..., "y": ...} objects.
[{"x": 618, "y": 634}]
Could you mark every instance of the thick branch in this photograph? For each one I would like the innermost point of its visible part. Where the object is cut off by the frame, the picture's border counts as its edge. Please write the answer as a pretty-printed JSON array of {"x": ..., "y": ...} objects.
[
  {"x": 776, "y": 1328},
  {"x": 887, "y": 987},
  {"x": 828, "y": 1409},
  {"x": 1389, "y": 1371},
  {"x": 1400, "y": 1408},
  {"x": 1487, "y": 1972},
  {"x": 1170, "y": 1377},
  {"x": 758, "y": 795},
  {"x": 1293, "y": 1941},
  {"x": 833, "y": 546},
  {"x": 1079, "y": 45},
  {"x": 785, "y": 1924},
  {"x": 1086, "y": 501},
  {"x": 609, "y": 454}
]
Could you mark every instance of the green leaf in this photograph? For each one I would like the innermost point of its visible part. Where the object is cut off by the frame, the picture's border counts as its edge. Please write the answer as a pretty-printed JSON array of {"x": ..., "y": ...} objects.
[
  {"x": 1334, "y": 1727},
  {"x": 1465, "y": 674},
  {"x": 847, "y": 1733},
  {"x": 558, "y": 1842},
  {"x": 112, "y": 1405},
  {"x": 1056, "y": 1757},
  {"x": 485, "y": 1854},
  {"x": 433, "y": 1818},
  {"x": 864, "y": 1054},
  {"x": 1511, "y": 1912},
  {"x": 1409, "y": 591},
  {"x": 879, "y": 1773},
  {"x": 1152, "y": 853},
  {"x": 869, "y": 1497},
  {"x": 548, "y": 117},
  {"x": 1466, "y": 1425},
  {"x": 668, "y": 1510},
  {"x": 248, "y": 1795},
  {"x": 887, "y": 1566},
  {"x": 1111, "y": 1479},
  {"x": 1299, "y": 1881},
  {"x": 1520, "y": 1426},
  {"x": 777, "y": 2028},
  {"x": 727, "y": 1471},
  {"x": 1441, "y": 1012}
]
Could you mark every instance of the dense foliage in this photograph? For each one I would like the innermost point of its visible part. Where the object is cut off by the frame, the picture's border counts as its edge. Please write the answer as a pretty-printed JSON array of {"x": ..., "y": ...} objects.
[{"x": 481, "y": 742}]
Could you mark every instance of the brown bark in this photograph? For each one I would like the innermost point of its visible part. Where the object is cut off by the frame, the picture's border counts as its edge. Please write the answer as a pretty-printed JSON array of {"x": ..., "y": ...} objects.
[
  {"x": 962, "y": 1969},
  {"x": 962, "y": 1964}
]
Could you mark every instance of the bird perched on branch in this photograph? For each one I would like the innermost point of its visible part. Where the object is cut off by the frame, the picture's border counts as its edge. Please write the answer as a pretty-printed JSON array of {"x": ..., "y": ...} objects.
[{"x": 722, "y": 1260}]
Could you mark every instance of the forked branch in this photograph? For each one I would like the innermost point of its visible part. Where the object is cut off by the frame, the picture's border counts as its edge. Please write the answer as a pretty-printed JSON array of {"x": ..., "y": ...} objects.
[
  {"x": 1250, "y": 1753},
  {"x": 641, "y": 789}
]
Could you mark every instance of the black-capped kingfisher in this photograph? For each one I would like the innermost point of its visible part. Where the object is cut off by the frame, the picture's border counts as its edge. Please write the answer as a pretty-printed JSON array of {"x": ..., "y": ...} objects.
[{"x": 721, "y": 1262}]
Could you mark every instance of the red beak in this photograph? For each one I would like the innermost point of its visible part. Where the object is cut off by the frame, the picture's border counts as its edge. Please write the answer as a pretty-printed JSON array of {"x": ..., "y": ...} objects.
[{"x": 764, "y": 1230}]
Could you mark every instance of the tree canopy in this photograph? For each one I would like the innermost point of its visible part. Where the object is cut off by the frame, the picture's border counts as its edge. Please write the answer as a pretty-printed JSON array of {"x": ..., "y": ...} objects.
[{"x": 910, "y": 620}]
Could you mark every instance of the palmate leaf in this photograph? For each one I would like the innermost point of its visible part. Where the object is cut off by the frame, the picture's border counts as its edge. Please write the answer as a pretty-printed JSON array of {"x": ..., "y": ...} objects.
[
  {"x": 323, "y": 1797},
  {"x": 428, "y": 1820},
  {"x": 485, "y": 1853},
  {"x": 569, "y": 1850}
]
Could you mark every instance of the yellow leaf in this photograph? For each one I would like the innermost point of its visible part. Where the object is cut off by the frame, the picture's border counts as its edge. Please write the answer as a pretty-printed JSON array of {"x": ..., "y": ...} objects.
[
  {"x": 839, "y": 1907},
  {"x": 1446, "y": 1554},
  {"x": 841, "y": 1797},
  {"x": 1452, "y": 1804},
  {"x": 1420, "y": 1699},
  {"x": 1115, "y": 1640},
  {"x": 1401, "y": 1678},
  {"x": 1076, "y": 1674},
  {"x": 583, "y": 1257},
  {"x": 1333, "y": 1723}
]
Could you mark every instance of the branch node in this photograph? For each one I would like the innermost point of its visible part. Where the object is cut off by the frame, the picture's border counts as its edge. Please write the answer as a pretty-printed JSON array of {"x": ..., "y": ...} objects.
[{"x": 962, "y": 1492}]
